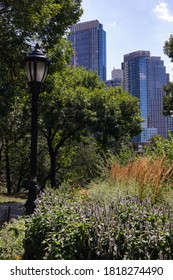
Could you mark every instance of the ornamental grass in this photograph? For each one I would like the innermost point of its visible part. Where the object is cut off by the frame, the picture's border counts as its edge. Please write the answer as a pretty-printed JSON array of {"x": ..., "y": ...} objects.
[{"x": 152, "y": 176}]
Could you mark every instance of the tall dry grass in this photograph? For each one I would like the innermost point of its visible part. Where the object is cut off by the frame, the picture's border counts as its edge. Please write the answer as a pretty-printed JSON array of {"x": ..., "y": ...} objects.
[{"x": 152, "y": 175}]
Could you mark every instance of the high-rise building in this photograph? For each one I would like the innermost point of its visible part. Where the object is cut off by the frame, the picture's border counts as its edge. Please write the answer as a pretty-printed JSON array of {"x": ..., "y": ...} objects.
[
  {"x": 144, "y": 77},
  {"x": 117, "y": 74},
  {"x": 116, "y": 78},
  {"x": 157, "y": 78},
  {"x": 89, "y": 45}
]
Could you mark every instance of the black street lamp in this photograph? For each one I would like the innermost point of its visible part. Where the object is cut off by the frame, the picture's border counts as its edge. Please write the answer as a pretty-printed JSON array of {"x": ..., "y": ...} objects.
[{"x": 36, "y": 67}]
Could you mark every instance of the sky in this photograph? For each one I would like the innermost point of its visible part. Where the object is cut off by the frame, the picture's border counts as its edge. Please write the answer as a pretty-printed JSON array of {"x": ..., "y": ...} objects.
[{"x": 132, "y": 25}]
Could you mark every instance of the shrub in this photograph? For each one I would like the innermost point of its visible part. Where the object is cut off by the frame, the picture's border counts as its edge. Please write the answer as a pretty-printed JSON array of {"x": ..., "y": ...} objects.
[
  {"x": 11, "y": 240},
  {"x": 126, "y": 154},
  {"x": 55, "y": 227},
  {"x": 66, "y": 227},
  {"x": 161, "y": 147}
]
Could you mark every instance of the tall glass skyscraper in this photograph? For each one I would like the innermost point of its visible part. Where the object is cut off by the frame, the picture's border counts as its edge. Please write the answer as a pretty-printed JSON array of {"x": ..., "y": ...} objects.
[
  {"x": 89, "y": 45},
  {"x": 144, "y": 77},
  {"x": 157, "y": 78}
]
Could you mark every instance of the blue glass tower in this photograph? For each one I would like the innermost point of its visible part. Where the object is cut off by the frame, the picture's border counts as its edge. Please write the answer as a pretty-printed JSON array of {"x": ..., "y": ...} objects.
[
  {"x": 144, "y": 77},
  {"x": 135, "y": 82},
  {"x": 157, "y": 78},
  {"x": 89, "y": 45}
]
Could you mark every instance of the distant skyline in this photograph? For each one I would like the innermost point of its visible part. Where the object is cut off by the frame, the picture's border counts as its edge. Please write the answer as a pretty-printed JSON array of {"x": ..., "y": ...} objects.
[{"x": 132, "y": 25}]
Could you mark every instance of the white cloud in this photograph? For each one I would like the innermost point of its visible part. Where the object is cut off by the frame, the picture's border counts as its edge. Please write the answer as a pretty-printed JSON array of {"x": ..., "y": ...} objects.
[{"x": 162, "y": 12}]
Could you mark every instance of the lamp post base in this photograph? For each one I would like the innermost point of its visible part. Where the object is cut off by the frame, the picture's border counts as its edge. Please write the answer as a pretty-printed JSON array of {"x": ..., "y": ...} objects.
[
  {"x": 30, "y": 207},
  {"x": 32, "y": 198}
]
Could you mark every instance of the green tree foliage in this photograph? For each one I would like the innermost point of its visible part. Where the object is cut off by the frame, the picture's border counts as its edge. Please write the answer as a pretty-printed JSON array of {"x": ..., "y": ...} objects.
[
  {"x": 15, "y": 141},
  {"x": 168, "y": 100},
  {"x": 80, "y": 120},
  {"x": 79, "y": 162},
  {"x": 21, "y": 24},
  {"x": 168, "y": 47},
  {"x": 74, "y": 104},
  {"x": 78, "y": 103},
  {"x": 161, "y": 147},
  {"x": 168, "y": 97},
  {"x": 26, "y": 20}
]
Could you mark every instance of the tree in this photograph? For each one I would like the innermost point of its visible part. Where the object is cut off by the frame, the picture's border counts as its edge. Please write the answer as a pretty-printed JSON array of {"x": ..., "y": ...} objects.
[
  {"x": 27, "y": 20},
  {"x": 161, "y": 147},
  {"x": 21, "y": 24},
  {"x": 64, "y": 111},
  {"x": 168, "y": 47},
  {"x": 168, "y": 100},
  {"x": 80, "y": 119},
  {"x": 117, "y": 116},
  {"x": 168, "y": 97},
  {"x": 79, "y": 102},
  {"x": 14, "y": 132}
]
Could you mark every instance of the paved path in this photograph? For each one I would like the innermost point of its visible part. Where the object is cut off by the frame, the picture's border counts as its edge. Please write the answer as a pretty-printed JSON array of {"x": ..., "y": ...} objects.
[{"x": 16, "y": 209}]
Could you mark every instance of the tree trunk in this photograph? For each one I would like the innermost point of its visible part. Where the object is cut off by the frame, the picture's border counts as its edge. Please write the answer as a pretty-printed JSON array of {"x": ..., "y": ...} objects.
[
  {"x": 53, "y": 168},
  {"x": 7, "y": 166},
  {"x": 0, "y": 157}
]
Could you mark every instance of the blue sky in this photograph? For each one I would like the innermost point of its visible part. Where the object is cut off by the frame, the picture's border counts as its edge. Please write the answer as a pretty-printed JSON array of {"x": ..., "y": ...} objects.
[{"x": 132, "y": 25}]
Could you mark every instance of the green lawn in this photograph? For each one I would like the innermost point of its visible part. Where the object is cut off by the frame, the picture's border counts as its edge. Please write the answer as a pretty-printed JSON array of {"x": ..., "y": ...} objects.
[{"x": 4, "y": 198}]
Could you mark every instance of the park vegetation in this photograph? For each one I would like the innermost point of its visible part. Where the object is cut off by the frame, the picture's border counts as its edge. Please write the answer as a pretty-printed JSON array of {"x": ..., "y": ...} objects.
[
  {"x": 76, "y": 110},
  {"x": 98, "y": 199}
]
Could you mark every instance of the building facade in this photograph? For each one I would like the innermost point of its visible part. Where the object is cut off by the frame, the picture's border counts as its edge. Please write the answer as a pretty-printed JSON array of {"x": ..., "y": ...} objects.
[
  {"x": 117, "y": 74},
  {"x": 157, "y": 79},
  {"x": 144, "y": 77},
  {"x": 116, "y": 78},
  {"x": 89, "y": 46}
]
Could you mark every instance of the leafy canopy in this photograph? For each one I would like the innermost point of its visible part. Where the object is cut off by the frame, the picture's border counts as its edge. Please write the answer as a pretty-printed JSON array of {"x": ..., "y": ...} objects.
[
  {"x": 168, "y": 47},
  {"x": 79, "y": 100},
  {"x": 168, "y": 97}
]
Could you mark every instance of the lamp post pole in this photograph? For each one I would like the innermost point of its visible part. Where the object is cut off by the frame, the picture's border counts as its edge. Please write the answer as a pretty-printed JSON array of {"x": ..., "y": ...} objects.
[
  {"x": 36, "y": 66},
  {"x": 32, "y": 194}
]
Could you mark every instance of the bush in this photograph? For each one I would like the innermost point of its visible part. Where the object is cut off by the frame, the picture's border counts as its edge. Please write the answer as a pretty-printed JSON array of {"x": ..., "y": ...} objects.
[
  {"x": 161, "y": 147},
  {"x": 55, "y": 227},
  {"x": 126, "y": 154},
  {"x": 11, "y": 240},
  {"x": 65, "y": 226}
]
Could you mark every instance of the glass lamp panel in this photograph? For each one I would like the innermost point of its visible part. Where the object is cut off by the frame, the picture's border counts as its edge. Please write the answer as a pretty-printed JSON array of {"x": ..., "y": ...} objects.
[
  {"x": 40, "y": 71},
  {"x": 45, "y": 73},
  {"x": 32, "y": 70},
  {"x": 29, "y": 72}
]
